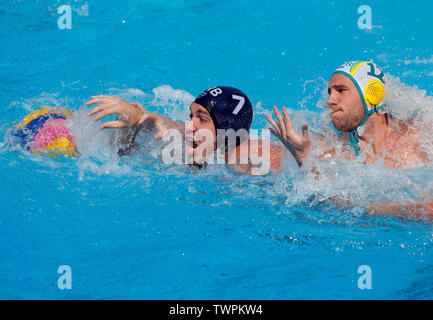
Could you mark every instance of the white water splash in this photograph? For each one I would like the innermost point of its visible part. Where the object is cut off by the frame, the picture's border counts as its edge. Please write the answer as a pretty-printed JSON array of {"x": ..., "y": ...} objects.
[{"x": 175, "y": 102}]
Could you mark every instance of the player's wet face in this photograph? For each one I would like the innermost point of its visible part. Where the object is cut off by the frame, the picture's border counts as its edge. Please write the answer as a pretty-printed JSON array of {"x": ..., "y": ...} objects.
[
  {"x": 347, "y": 110},
  {"x": 200, "y": 134}
]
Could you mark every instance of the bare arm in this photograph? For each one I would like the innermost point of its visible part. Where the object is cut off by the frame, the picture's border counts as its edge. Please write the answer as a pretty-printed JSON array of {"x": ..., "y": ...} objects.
[
  {"x": 422, "y": 209},
  {"x": 262, "y": 157}
]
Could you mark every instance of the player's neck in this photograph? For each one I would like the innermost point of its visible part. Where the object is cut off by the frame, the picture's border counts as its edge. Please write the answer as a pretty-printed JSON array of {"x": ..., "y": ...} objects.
[{"x": 376, "y": 130}]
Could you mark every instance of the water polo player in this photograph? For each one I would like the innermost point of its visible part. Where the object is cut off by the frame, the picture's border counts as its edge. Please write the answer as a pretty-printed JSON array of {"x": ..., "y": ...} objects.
[
  {"x": 356, "y": 91},
  {"x": 213, "y": 113}
]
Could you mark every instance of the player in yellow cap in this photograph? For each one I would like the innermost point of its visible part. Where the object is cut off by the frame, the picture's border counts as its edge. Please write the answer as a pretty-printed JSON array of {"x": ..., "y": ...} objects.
[{"x": 356, "y": 92}]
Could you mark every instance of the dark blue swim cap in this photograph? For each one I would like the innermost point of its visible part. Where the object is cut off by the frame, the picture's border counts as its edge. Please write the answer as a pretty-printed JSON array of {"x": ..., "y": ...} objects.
[{"x": 229, "y": 107}]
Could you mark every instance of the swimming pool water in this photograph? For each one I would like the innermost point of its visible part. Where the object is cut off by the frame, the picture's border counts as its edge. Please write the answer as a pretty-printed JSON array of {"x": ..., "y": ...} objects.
[{"x": 134, "y": 228}]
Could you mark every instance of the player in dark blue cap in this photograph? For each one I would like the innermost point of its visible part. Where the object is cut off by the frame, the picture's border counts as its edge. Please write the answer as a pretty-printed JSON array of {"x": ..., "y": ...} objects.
[
  {"x": 229, "y": 107},
  {"x": 220, "y": 118}
]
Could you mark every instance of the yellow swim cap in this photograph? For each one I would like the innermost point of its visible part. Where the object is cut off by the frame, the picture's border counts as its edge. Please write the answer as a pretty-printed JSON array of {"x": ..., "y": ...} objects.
[{"x": 368, "y": 78}]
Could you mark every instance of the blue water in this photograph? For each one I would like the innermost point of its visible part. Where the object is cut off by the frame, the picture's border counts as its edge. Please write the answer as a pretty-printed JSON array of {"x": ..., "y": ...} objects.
[{"x": 138, "y": 229}]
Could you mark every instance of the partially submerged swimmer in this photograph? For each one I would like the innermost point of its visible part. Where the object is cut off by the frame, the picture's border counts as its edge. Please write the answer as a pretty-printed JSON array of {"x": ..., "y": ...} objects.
[
  {"x": 220, "y": 118},
  {"x": 356, "y": 91}
]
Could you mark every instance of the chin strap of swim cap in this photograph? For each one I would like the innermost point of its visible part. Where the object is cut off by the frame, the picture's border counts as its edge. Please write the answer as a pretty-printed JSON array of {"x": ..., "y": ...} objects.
[
  {"x": 353, "y": 137},
  {"x": 370, "y": 83},
  {"x": 354, "y": 141}
]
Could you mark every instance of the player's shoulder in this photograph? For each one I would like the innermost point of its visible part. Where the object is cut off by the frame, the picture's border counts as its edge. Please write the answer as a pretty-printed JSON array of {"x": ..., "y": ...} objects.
[{"x": 406, "y": 132}]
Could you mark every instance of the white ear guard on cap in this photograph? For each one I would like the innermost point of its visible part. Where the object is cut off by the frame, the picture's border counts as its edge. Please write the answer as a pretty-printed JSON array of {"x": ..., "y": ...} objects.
[{"x": 370, "y": 83}]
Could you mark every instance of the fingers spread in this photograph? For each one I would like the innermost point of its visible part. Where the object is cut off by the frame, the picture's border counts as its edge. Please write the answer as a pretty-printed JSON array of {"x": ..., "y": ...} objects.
[
  {"x": 101, "y": 99},
  {"x": 95, "y": 110},
  {"x": 104, "y": 113},
  {"x": 103, "y": 105}
]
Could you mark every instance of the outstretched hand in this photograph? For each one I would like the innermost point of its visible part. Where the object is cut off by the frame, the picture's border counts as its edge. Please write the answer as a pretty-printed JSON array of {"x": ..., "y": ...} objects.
[
  {"x": 128, "y": 113},
  {"x": 298, "y": 145}
]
